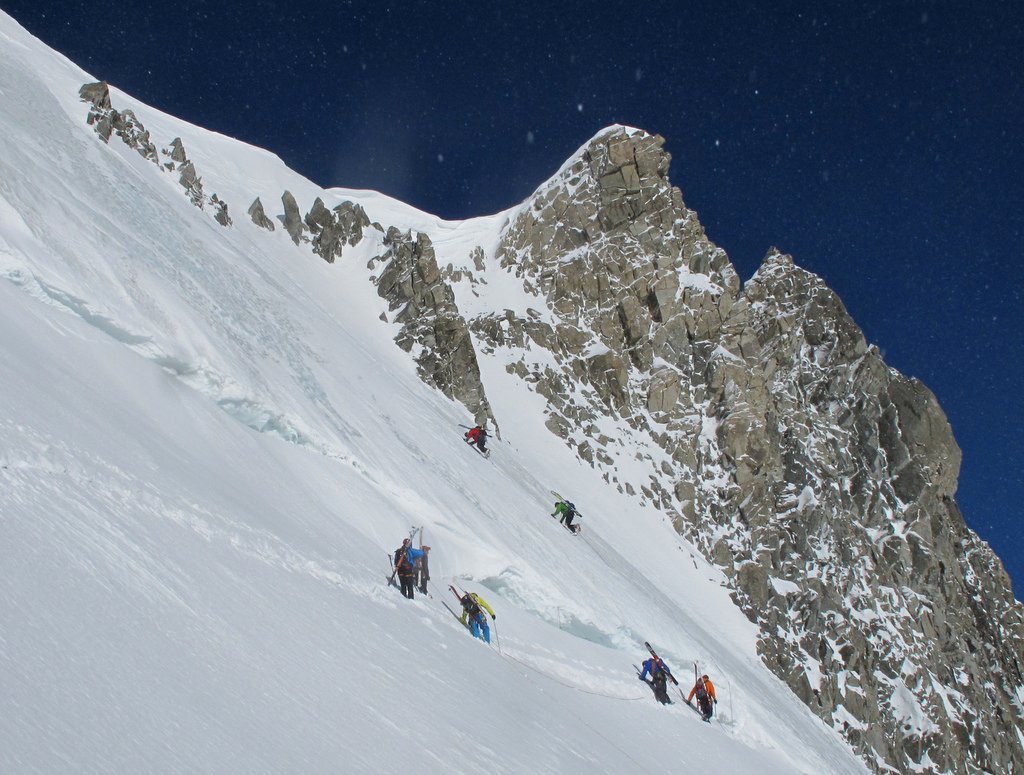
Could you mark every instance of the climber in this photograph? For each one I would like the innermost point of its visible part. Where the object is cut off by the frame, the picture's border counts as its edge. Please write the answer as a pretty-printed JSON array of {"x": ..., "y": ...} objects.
[
  {"x": 477, "y": 435},
  {"x": 422, "y": 575},
  {"x": 568, "y": 511},
  {"x": 473, "y": 607},
  {"x": 659, "y": 677},
  {"x": 405, "y": 565},
  {"x": 705, "y": 691}
]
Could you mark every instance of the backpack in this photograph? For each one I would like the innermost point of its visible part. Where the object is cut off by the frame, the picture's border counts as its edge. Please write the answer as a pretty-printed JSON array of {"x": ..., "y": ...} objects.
[
  {"x": 399, "y": 555},
  {"x": 702, "y": 693},
  {"x": 471, "y": 606}
]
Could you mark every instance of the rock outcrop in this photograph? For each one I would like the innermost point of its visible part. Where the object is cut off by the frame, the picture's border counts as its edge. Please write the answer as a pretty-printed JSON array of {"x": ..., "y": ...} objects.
[
  {"x": 820, "y": 480},
  {"x": 842, "y": 534},
  {"x": 333, "y": 229},
  {"x": 106, "y": 121},
  {"x": 258, "y": 216},
  {"x": 432, "y": 328},
  {"x": 292, "y": 219},
  {"x": 189, "y": 180}
]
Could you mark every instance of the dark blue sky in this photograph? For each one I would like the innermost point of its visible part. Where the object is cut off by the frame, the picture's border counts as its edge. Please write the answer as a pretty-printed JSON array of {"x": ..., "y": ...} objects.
[{"x": 878, "y": 143}]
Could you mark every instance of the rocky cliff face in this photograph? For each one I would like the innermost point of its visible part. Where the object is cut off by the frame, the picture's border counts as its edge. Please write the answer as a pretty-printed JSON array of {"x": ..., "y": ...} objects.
[
  {"x": 820, "y": 480},
  {"x": 432, "y": 327}
]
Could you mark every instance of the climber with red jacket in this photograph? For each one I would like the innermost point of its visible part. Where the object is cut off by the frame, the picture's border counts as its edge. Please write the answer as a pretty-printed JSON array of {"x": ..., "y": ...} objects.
[{"x": 477, "y": 435}]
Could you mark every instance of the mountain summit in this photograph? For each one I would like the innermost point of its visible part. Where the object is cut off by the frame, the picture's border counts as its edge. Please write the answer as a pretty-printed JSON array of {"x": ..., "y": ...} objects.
[
  {"x": 229, "y": 394},
  {"x": 821, "y": 481}
]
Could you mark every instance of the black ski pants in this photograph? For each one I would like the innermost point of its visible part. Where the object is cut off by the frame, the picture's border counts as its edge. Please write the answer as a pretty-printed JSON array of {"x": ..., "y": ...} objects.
[
  {"x": 704, "y": 703},
  {"x": 661, "y": 689},
  {"x": 406, "y": 582}
]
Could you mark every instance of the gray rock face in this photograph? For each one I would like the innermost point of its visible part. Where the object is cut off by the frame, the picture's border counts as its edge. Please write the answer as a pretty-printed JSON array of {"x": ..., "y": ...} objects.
[
  {"x": 100, "y": 116},
  {"x": 191, "y": 182},
  {"x": 106, "y": 121},
  {"x": 220, "y": 211},
  {"x": 98, "y": 94},
  {"x": 843, "y": 474},
  {"x": 432, "y": 328},
  {"x": 333, "y": 229},
  {"x": 292, "y": 219},
  {"x": 258, "y": 216},
  {"x": 820, "y": 480},
  {"x": 177, "y": 151}
]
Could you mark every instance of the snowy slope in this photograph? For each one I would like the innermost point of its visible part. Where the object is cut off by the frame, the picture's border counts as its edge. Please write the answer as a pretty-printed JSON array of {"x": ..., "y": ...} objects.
[{"x": 209, "y": 441}]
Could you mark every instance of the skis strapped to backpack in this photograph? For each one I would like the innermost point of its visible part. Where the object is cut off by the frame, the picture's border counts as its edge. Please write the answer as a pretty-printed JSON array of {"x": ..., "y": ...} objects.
[
  {"x": 391, "y": 559},
  {"x": 452, "y": 610},
  {"x": 562, "y": 499},
  {"x": 462, "y": 595},
  {"x": 654, "y": 654},
  {"x": 468, "y": 614}
]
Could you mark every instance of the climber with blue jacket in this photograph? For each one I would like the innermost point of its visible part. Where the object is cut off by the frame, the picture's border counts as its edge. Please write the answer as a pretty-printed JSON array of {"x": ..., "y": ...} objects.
[{"x": 659, "y": 673}]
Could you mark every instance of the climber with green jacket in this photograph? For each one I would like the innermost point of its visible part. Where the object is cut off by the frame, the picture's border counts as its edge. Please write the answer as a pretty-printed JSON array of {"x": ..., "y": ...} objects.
[
  {"x": 568, "y": 511},
  {"x": 473, "y": 607}
]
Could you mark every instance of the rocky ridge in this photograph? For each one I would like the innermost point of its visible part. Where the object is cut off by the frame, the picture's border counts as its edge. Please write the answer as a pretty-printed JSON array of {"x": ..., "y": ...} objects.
[
  {"x": 107, "y": 121},
  {"x": 409, "y": 279},
  {"x": 820, "y": 480}
]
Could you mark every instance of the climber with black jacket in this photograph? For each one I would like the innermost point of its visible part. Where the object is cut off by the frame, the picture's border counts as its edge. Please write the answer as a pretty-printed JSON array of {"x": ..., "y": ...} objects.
[{"x": 405, "y": 565}]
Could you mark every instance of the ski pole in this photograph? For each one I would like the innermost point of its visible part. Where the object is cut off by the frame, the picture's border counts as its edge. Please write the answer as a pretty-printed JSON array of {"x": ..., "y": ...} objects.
[{"x": 497, "y": 638}]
